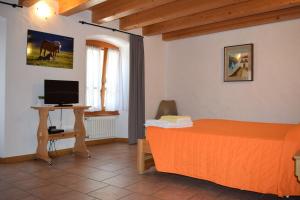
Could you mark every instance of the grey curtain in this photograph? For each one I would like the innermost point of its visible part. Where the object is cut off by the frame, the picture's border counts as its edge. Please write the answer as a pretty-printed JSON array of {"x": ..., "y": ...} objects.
[{"x": 136, "y": 116}]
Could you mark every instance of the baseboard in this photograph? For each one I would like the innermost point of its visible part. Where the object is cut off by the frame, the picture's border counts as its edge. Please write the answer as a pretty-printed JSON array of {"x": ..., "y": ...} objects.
[
  {"x": 106, "y": 141},
  {"x": 61, "y": 152},
  {"x": 15, "y": 159},
  {"x": 122, "y": 140},
  {"x": 100, "y": 142}
]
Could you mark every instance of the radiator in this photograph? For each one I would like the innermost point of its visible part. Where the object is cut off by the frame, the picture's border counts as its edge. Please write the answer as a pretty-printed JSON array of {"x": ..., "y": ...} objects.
[{"x": 100, "y": 127}]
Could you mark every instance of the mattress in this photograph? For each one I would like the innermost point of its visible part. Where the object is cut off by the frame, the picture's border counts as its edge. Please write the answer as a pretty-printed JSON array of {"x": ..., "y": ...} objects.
[{"x": 245, "y": 155}]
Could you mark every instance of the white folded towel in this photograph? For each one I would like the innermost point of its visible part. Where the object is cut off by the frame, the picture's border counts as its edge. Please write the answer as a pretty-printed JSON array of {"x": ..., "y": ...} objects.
[
  {"x": 176, "y": 119},
  {"x": 167, "y": 124}
]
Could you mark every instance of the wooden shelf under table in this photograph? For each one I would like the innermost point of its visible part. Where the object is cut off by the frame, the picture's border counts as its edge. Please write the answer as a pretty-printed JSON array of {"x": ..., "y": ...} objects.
[{"x": 62, "y": 135}]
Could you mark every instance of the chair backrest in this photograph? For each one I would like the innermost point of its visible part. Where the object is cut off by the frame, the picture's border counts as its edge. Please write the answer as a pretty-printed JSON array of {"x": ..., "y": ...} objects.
[{"x": 166, "y": 107}]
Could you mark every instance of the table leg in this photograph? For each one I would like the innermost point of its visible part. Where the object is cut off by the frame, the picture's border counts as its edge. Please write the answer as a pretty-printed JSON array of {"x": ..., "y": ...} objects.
[
  {"x": 80, "y": 146},
  {"x": 42, "y": 136}
]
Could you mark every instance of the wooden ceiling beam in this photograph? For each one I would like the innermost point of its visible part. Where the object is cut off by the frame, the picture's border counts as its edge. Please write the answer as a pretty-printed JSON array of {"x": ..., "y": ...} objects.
[
  {"x": 265, "y": 18},
  {"x": 244, "y": 9},
  {"x": 70, "y": 7},
  {"x": 115, "y": 9},
  {"x": 171, "y": 11},
  {"x": 27, "y": 3}
]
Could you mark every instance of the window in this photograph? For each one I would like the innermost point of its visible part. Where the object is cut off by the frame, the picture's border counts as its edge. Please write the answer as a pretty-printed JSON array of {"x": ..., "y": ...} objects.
[{"x": 104, "y": 76}]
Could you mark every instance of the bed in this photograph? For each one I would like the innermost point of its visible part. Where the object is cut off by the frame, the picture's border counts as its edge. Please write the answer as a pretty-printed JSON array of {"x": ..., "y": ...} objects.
[{"x": 250, "y": 156}]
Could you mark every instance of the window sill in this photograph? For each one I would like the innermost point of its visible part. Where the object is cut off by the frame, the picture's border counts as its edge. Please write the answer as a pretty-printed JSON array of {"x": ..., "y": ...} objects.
[{"x": 101, "y": 113}]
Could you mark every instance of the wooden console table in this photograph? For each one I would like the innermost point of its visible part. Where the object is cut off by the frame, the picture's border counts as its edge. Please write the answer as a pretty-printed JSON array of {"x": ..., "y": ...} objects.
[{"x": 43, "y": 137}]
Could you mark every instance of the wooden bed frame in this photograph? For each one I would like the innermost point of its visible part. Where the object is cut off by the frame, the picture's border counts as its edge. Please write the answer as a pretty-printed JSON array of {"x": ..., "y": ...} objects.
[
  {"x": 297, "y": 160},
  {"x": 144, "y": 156},
  {"x": 145, "y": 159}
]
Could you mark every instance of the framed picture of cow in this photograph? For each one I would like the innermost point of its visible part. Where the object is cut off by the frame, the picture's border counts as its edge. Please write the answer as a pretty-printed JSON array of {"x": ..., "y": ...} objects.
[{"x": 49, "y": 50}]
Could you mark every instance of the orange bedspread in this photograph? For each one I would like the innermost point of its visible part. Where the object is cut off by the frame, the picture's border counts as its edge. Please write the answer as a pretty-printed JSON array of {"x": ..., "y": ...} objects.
[{"x": 246, "y": 155}]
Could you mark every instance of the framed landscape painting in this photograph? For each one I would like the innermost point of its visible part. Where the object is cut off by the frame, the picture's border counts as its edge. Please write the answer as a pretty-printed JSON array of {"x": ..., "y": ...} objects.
[
  {"x": 49, "y": 50},
  {"x": 238, "y": 63}
]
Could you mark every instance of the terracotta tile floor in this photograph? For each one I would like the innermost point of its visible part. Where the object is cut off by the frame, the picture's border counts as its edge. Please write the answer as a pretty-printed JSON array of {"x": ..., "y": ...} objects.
[{"x": 110, "y": 174}]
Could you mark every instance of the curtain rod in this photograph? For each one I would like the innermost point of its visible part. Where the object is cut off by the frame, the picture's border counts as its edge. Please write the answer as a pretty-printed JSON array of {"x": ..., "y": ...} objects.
[
  {"x": 112, "y": 29},
  {"x": 11, "y": 4},
  {"x": 81, "y": 22}
]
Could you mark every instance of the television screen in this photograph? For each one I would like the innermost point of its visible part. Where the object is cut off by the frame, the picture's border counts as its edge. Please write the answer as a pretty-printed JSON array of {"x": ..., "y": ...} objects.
[{"x": 61, "y": 92}]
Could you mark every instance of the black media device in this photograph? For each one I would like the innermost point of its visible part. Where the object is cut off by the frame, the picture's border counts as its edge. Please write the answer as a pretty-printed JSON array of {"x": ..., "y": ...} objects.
[
  {"x": 61, "y": 93},
  {"x": 53, "y": 130}
]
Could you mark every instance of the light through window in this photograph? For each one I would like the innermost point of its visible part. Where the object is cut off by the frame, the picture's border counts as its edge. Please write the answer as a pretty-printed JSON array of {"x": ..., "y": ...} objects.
[{"x": 103, "y": 76}]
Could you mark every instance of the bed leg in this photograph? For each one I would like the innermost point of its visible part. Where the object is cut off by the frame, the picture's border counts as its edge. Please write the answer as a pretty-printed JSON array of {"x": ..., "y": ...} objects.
[
  {"x": 141, "y": 156},
  {"x": 297, "y": 165}
]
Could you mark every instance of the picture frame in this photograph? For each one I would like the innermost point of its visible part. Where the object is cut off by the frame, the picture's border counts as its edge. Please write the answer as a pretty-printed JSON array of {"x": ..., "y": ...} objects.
[
  {"x": 49, "y": 50},
  {"x": 238, "y": 63}
]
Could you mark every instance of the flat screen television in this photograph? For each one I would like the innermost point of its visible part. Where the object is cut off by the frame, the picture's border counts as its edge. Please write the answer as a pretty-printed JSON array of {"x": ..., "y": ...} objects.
[{"x": 61, "y": 92}]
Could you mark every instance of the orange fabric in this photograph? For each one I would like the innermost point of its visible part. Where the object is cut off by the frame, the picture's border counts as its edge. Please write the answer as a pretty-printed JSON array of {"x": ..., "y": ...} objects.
[{"x": 246, "y": 155}]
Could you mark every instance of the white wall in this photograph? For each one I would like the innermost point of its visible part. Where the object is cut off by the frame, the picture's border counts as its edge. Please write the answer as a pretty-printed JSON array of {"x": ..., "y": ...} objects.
[
  {"x": 155, "y": 62},
  {"x": 2, "y": 82},
  {"x": 24, "y": 83},
  {"x": 195, "y": 75}
]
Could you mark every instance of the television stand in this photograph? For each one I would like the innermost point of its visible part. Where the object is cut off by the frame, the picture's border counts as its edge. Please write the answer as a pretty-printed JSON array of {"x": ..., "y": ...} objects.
[
  {"x": 64, "y": 105},
  {"x": 43, "y": 136}
]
